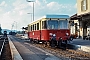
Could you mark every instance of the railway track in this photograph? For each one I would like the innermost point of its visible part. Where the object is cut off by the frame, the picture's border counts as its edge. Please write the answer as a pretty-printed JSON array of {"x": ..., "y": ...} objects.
[
  {"x": 2, "y": 43},
  {"x": 5, "y": 52},
  {"x": 69, "y": 54}
]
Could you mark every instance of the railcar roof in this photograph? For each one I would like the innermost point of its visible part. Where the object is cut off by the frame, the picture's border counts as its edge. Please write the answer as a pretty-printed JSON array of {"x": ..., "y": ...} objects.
[
  {"x": 56, "y": 16},
  {"x": 53, "y": 16}
]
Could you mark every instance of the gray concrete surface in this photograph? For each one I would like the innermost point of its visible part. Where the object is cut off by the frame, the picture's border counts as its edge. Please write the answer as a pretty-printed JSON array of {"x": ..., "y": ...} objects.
[
  {"x": 30, "y": 52},
  {"x": 83, "y": 44},
  {"x": 15, "y": 54}
]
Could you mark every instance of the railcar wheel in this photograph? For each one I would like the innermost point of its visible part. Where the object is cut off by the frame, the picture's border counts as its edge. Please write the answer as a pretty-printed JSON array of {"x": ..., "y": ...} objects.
[
  {"x": 37, "y": 41},
  {"x": 45, "y": 43},
  {"x": 31, "y": 40},
  {"x": 65, "y": 47},
  {"x": 52, "y": 43},
  {"x": 60, "y": 43}
]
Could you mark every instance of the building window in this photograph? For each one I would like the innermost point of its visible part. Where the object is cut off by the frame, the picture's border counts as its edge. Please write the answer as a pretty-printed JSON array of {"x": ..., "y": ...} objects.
[{"x": 83, "y": 5}]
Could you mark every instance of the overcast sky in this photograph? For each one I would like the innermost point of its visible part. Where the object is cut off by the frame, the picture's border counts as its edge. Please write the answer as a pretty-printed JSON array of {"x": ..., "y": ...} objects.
[{"x": 14, "y": 12}]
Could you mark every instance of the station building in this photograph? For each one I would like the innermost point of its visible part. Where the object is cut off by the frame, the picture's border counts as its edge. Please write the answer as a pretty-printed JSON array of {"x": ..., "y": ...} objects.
[{"x": 81, "y": 19}]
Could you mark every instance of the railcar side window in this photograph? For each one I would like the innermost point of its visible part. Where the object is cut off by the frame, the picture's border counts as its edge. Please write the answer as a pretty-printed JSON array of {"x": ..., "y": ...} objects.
[
  {"x": 63, "y": 24},
  {"x": 44, "y": 25},
  {"x": 52, "y": 24},
  {"x": 29, "y": 28},
  {"x": 33, "y": 27},
  {"x": 37, "y": 26}
]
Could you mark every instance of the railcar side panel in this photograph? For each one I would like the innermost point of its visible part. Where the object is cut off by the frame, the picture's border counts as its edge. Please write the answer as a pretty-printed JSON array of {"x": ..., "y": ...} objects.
[
  {"x": 46, "y": 34},
  {"x": 35, "y": 34}
]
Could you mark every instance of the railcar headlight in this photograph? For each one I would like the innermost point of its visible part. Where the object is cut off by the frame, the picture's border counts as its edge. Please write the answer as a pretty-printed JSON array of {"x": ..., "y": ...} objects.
[
  {"x": 61, "y": 38},
  {"x": 54, "y": 34},
  {"x": 67, "y": 34},
  {"x": 50, "y": 34}
]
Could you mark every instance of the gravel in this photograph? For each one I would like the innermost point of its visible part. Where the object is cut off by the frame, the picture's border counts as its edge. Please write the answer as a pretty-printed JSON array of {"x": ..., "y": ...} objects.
[{"x": 6, "y": 54}]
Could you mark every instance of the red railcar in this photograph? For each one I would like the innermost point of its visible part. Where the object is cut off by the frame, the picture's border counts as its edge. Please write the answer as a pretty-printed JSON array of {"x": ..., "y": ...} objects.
[{"x": 49, "y": 27}]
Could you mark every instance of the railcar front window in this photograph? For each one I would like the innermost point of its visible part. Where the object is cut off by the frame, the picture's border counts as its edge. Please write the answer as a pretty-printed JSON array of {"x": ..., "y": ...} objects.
[
  {"x": 52, "y": 24},
  {"x": 63, "y": 24}
]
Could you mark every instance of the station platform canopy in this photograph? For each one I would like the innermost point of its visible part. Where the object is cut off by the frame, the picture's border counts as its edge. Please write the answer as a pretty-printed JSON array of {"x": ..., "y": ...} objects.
[{"x": 85, "y": 16}]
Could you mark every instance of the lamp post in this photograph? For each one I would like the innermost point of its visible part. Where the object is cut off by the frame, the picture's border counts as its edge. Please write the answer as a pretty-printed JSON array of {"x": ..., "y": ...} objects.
[
  {"x": 16, "y": 25},
  {"x": 31, "y": 16},
  {"x": 33, "y": 7}
]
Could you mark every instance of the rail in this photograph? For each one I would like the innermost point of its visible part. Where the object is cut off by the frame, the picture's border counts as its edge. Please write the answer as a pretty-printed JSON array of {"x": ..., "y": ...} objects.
[{"x": 2, "y": 47}]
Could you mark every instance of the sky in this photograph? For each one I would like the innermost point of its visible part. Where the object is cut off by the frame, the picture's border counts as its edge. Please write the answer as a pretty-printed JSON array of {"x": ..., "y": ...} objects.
[{"x": 14, "y": 13}]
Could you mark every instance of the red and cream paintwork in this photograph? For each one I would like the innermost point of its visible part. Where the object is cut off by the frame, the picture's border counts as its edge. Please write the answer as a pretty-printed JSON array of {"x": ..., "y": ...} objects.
[{"x": 38, "y": 33}]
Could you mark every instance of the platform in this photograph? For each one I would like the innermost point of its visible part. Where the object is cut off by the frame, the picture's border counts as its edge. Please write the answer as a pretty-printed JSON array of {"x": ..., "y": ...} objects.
[
  {"x": 15, "y": 54},
  {"x": 83, "y": 44}
]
